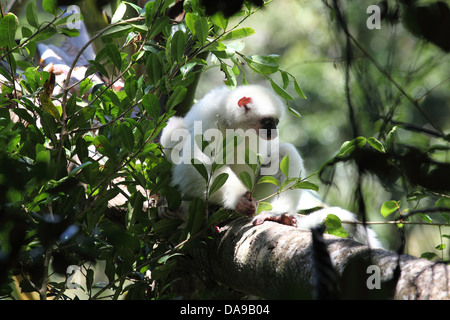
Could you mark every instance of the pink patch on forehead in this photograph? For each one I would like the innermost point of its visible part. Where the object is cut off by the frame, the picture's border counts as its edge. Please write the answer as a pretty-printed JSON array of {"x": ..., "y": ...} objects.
[{"x": 244, "y": 101}]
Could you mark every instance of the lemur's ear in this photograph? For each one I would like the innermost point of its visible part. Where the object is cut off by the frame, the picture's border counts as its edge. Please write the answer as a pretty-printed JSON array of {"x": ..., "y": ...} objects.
[{"x": 243, "y": 102}]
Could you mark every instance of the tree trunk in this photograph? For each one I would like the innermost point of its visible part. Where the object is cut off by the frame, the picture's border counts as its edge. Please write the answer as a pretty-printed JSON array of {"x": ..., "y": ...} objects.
[{"x": 276, "y": 262}]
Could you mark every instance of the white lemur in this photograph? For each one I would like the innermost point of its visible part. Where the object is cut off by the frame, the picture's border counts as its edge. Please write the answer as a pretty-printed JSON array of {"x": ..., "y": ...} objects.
[{"x": 253, "y": 112}]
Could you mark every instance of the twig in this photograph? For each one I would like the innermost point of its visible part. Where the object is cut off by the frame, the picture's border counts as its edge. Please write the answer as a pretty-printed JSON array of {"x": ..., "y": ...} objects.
[
  {"x": 43, "y": 290},
  {"x": 397, "y": 222},
  {"x": 388, "y": 76},
  {"x": 427, "y": 210},
  {"x": 407, "y": 215}
]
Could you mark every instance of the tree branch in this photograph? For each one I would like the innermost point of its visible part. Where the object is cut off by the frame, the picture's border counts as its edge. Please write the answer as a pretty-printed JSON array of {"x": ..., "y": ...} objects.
[{"x": 275, "y": 261}]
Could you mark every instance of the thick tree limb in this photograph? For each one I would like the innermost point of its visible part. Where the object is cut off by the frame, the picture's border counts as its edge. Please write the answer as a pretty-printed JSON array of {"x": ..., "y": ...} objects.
[{"x": 275, "y": 261}]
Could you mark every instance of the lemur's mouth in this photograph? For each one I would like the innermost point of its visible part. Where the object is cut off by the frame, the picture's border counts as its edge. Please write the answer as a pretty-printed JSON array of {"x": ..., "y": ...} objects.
[{"x": 268, "y": 134}]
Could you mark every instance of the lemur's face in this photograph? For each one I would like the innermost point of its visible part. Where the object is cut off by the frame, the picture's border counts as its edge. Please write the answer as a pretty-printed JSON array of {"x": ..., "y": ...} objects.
[{"x": 266, "y": 127}]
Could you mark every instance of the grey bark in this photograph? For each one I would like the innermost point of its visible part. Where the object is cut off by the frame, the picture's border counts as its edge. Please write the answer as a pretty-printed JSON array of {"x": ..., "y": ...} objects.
[{"x": 273, "y": 261}]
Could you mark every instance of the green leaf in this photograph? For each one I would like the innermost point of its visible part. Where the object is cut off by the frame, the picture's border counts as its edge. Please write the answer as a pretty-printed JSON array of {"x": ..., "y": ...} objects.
[
  {"x": 173, "y": 198},
  {"x": 31, "y": 14},
  {"x": 114, "y": 54},
  {"x": 443, "y": 202},
  {"x": 178, "y": 45},
  {"x": 389, "y": 207},
  {"x": 428, "y": 255},
  {"x": 446, "y": 216},
  {"x": 285, "y": 78},
  {"x": 218, "y": 182},
  {"x": 104, "y": 146},
  {"x": 268, "y": 179},
  {"x": 96, "y": 67},
  {"x": 238, "y": 34},
  {"x": 176, "y": 97},
  {"x": 334, "y": 226},
  {"x": 154, "y": 68},
  {"x": 117, "y": 31},
  {"x": 306, "y": 185},
  {"x": 165, "y": 227},
  {"x": 23, "y": 114},
  {"x": 219, "y": 20},
  {"x": 134, "y": 207},
  {"x": 164, "y": 259},
  {"x": 201, "y": 169},
  {"x": 280, "y": 91},
  {"x": 120, "y": 12},
  {"x": 150, "y": 103},
  {"x": 263, "y": 206},
  {"x": 218, "y": 217},
  {"x": 441, "y": 246},
  {"x": 188, "y": 67},
  {"x": 85, "y": 85},
  {"x": 294, "y": 112},
  {"x": 201, "y": 30},
  {"x": 70, "y": 32},
  {"x": 377, "y": 145},
  {"x": 50, "y": 6},
  {"x": 246, "y": 180},
  {"x": 158, "y": 26},
  {"x": 425, "y": 217},
  {"x": 126, "y": 136},
  {"x": 131, "y": 85},
  {"x": 8, "y": 27},
  {"x": 230, "y": 77},
  {"x": 190, "y": 19},
  {"x": 43, "y": 156},
  {"x": 349, "y": 146},
  {"x": 44, "y": 34},
  {"x": 416, "y": 196},
  {"x": 149, "y": 13},
  {"x": 390, "y": 137},
  {"x": 80, "y": 167},
  {"x": 284, "y": 166},
  {"x": 264, "y": 65},
  {"x": 196, "y": 216},
  {"x": 81, "y": 118},
  {"x": 48, "y": 106},
  {"x": 299, "y": 90},
  {"x": 135, "y": 7}
]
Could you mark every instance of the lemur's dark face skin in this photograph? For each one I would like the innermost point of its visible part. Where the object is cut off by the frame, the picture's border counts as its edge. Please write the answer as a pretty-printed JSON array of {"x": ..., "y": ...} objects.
[{"x": 268, "y": 125}]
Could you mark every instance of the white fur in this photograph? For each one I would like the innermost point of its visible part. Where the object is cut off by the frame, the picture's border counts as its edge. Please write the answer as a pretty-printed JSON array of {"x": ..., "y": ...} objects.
[{"x": 219, "y": 110}]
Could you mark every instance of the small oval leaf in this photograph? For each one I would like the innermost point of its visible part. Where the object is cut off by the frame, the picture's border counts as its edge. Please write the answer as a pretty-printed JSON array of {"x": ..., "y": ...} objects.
[
  {"x": 268, "y": 179},
  {"x": 389, "y": 207},
  {"x": 246, "y": 180},
  {"x": 218, "y": 182},
  {"x": 284, "y": 166},
  {"x": 201, "y": 169}
]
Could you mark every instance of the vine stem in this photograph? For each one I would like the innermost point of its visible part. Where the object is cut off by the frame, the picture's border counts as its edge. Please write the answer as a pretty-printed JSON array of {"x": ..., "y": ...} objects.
[
  {"x": 397, "y": 222},
  {"x": 44, "y": 287},
  {"x": 388, "y": 76}
]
